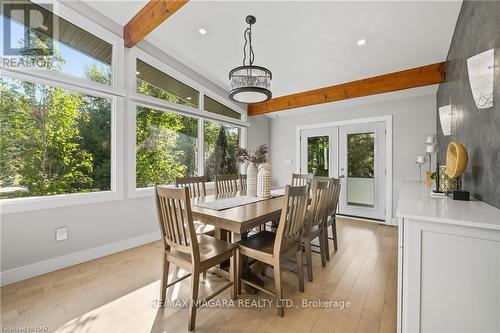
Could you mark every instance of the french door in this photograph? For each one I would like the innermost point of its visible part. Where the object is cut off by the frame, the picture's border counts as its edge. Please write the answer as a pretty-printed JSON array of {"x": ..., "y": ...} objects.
[{"x": 356, "y": 155}]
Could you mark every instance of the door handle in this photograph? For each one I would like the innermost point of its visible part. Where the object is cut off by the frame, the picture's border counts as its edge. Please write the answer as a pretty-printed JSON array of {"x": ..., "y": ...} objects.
[{"x": 341, "y": 176}]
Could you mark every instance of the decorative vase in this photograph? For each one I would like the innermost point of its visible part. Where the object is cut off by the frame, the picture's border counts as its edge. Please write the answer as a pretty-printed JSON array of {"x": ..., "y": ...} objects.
[
  {"x": 264, "y": 181},
  {"x": 252, "y": 180},
  {"x": 446, "y": 184}
]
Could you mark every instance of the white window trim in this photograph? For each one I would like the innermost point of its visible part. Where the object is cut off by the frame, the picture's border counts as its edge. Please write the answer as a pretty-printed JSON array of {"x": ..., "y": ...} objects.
[{"x": 66, "y": 81}]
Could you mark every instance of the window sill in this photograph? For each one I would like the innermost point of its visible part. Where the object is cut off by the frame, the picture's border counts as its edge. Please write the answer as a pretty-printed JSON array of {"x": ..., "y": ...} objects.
[
  {"x": 17, "y": 205},
  {"x": 149, "y": 191}
]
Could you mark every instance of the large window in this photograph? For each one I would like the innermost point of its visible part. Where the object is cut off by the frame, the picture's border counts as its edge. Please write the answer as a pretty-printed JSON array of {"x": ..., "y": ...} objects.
[
  {"x": 61, "y": 133},
  {"x": 65, "y": 47},
  {"x": 221, "y": 142},
  {"x": 52, "y": 140},
  {"x": 166, "y": 146},
  {"x": 155, "y": 83}
]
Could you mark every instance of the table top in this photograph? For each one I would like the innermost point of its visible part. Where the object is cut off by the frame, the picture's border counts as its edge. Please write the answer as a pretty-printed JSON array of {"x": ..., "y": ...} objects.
[
  {"x": 237, "y": 219},
  {"x": 415, "y": 202}
]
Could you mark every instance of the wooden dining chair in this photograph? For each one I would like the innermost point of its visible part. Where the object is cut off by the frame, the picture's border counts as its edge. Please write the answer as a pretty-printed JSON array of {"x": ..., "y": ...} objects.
[
  {"x": 315, "y": 226},
  {"x": 196, "y": 185},
  {"x": 331, "y": 221},
  {"x": 187, "y": 250},
  {"x": 299, "y": 179},
  {"x": 243, "y": 183},
  {"x": 226, "y": 184},
  {"x": 272, "y": 248}
]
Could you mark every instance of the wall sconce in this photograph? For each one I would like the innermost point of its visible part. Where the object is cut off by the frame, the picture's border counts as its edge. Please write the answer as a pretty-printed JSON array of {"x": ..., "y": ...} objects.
[
  {"x": 445, "y": 119},
  {"x": 481, "y": 69}
]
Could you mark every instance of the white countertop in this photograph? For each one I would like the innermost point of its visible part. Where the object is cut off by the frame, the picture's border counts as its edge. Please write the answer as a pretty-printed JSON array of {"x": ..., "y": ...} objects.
[{"x": 415, "y": 202}]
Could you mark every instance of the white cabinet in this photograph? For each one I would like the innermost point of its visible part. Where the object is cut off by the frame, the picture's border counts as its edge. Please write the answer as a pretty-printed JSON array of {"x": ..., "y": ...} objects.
[{"x": 449, "y": 264}]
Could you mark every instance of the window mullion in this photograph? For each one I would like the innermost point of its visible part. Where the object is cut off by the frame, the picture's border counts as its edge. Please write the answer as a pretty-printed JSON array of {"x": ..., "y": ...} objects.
[{"x": 201, "y": 136}]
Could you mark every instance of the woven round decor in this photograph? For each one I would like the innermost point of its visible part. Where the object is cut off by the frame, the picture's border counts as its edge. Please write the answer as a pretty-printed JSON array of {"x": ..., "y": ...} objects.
[{"x": 456, "y": 159}]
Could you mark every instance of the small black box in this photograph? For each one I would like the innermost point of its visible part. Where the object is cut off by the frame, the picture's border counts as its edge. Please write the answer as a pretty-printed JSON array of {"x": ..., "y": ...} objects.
[{"x": 461, "y": 195}]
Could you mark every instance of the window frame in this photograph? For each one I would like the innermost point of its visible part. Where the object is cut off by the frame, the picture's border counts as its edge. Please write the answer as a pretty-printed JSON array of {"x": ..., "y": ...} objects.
[
  {"x": 137, "y": 99},
  {"x": 115, "y": 92},
  {"x": 125, "y": 99}
]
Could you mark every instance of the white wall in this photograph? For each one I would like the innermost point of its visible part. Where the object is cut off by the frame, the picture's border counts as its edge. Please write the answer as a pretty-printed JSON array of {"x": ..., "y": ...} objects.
[
  {"x": 413, "y": 117},
  {"x": 259, "y": 132}
]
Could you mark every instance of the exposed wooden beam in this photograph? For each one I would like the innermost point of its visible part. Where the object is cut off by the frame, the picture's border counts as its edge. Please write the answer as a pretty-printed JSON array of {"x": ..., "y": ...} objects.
[
  {"x": 148, "y": 18},
  {"x": 410, "y": 78}
]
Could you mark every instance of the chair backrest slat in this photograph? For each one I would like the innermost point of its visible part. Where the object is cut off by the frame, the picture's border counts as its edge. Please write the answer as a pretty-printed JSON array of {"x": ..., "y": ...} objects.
[
  {"x": 299, "y": 179},
  {"x": 334, "y": 194},
  {"x": 226, "y": 184},
  {"x": 196, "y": 185},
  {"x": 176, "y": 220},
  {"x": 292, "y": 217},
  {"x": 320, "y": 200}
]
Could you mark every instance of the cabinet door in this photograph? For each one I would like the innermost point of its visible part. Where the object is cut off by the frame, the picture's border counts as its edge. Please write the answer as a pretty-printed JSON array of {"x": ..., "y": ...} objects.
[{"x": 452, "y": 278}]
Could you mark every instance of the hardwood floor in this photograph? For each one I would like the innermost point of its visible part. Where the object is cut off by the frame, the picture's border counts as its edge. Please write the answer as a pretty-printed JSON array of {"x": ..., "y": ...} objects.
[{"x": 117, "y": 293}]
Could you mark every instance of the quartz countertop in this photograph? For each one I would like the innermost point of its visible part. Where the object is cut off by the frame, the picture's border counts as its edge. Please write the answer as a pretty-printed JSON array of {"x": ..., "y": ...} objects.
[{"x": 415, "y": 202}]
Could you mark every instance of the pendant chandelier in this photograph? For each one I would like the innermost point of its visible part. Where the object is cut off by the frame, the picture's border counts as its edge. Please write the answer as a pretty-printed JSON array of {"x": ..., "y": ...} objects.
[{"x": 250, "y": 84}]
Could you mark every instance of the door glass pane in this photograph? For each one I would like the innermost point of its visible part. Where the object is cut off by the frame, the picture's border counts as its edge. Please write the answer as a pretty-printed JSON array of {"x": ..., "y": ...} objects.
[
  {"x": 361, "y": 167},
  {"x": 318, "y": 151}
]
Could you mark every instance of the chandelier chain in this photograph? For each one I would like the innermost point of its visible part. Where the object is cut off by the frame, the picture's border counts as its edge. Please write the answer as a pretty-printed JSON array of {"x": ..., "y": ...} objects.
[{"x": 247, "y": 34}]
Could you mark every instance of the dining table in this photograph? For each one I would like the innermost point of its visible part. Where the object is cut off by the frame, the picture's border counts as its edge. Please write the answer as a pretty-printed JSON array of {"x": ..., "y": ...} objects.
[{"x": 235, "y": 214}]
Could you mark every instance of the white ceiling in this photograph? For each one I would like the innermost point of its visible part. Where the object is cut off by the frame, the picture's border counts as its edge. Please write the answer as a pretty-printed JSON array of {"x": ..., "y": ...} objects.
[{"x": 305, "y": 44}]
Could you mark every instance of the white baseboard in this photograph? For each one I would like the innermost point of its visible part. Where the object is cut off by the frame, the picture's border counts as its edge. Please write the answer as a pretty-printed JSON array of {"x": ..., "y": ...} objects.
[{"x": 50, "y": 265}]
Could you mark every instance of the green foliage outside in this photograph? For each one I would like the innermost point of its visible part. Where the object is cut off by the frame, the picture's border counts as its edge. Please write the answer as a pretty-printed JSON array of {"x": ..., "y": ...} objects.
[
  {"x": 360, "y": 152},
  {"x": 318, "y": 152},
  {"x": 221, "y": 145},
  {"x": 55, "y": 141}
]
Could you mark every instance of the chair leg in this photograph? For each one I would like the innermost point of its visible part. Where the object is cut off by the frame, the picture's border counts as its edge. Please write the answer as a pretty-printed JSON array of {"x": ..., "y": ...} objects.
[
  {"x": 300, "y": 269},
  {"x": 164, "y": 279},
  {"x": 307, "y": 245},
  {"x": 195, "y": 284},
  {"x": 238, "y": 271},
  {"x": 233, "y": 271},
  {"x": 322, "y": 247},
  {"x": 334, "y": 234},
  {"x": 279, "y": 289},
  {"x": 325, "y": 241}
]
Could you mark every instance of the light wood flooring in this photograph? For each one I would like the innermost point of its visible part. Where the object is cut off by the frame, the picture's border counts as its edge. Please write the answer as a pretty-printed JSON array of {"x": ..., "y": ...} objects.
[{"x": 116, "y": 293}]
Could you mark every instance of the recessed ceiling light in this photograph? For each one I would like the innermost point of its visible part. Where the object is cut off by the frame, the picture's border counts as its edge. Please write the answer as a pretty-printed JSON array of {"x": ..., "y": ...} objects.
[
  {"x": 202, "y": 31},
  {"x": 361, "y": 42},
  {"x": 137, "y": 73},
  {"x": 189, "y": 98}
]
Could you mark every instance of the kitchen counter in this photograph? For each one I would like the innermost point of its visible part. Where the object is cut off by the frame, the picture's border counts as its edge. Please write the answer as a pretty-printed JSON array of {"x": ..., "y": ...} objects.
[{"x": 415, "y": 202}]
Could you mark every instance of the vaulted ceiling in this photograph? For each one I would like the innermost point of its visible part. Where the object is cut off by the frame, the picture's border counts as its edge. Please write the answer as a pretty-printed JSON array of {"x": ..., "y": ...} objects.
[{"x": 305, "y": 44}]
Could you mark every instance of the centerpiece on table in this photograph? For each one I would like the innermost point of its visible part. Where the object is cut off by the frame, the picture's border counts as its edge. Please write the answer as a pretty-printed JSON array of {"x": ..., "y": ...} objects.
[{"x": 256, "y": 159}]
